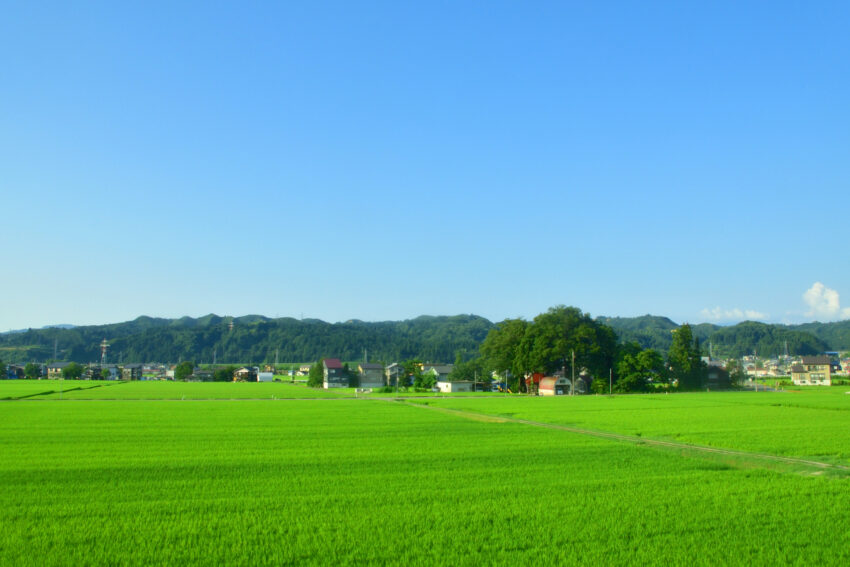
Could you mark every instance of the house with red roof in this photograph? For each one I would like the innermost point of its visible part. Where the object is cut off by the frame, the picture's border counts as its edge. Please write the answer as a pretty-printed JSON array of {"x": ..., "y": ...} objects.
[{"x": 334, "y": 375}]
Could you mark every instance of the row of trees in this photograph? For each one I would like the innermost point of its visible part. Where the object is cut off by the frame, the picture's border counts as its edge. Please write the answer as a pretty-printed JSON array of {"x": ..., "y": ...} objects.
[{"x": 565, "y": 338}]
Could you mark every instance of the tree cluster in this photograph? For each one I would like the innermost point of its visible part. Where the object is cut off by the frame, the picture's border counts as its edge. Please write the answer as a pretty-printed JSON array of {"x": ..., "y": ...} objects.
[
  {"x": 563, "y": 338},
  {"x": 568, "y": 340}
]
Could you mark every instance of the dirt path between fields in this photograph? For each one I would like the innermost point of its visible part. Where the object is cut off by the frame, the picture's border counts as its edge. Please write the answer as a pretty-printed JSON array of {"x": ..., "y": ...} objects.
[{"x": 744, "y": 455}]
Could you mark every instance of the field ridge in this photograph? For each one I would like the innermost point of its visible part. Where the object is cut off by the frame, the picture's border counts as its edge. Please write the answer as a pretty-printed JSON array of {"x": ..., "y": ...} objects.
[{"x": 639, "y": 440}]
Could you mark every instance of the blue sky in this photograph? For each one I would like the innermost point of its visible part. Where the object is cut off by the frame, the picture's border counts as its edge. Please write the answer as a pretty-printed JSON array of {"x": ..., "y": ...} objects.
[{"x": 383, "y": 160}]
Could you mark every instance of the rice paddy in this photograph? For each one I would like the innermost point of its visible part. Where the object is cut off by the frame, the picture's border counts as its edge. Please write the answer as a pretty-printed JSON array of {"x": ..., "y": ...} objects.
[{"x": 170, "y": 480}]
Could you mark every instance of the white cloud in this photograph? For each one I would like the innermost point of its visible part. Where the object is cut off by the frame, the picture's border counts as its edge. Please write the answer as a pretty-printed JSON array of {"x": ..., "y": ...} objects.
[
  {"x": 824, "y": 303},
  {"x": 735, "y": 314}
]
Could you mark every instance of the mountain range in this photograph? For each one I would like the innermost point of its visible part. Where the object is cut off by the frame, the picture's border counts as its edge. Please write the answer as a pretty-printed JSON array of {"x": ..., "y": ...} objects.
[{"x": 255, "y": 338}]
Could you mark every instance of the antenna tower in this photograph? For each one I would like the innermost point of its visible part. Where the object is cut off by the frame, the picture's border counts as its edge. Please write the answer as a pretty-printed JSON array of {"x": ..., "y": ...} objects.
[{"x": 103, "y": 348}]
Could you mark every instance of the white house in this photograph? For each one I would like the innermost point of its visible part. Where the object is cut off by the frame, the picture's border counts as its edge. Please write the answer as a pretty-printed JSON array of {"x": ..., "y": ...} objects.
[{"x": 456, "y": 386}]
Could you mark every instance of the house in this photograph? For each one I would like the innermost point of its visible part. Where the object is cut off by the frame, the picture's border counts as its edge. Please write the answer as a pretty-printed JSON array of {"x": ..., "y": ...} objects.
[
  {"x": 245, "y": 374},
  {"x": 54, "y": 370},
  {"x": 717, "y": 378},
  {"x": 303, "y": 370},
  {"x": 439, "y": 371},
  {"x": 457, "y": 386},
  {"x": 393, "y": 373},
  {"x": 131, "y": 372},
  {"x": 109, "y": 372},
  {"x": 334, "y": 375},
  {"x": 553, "y": 386},
  {"x": 371, "y": 374},
  {"x": 202, "y": 375},
  {"x": 812, "y": 371}
]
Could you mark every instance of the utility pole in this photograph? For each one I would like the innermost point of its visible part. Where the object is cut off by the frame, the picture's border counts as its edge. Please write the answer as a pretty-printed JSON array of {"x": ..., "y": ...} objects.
[
  {"x": 610, "y": 381},
  {"x": 573, "y": 369}
]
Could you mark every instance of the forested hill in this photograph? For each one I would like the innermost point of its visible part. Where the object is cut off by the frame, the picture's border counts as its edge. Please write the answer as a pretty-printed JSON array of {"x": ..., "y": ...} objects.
[
  {"x": 738, "y": 340},
  {"x": 253, "y": 338},
  {"x": 257, "y": 339}
]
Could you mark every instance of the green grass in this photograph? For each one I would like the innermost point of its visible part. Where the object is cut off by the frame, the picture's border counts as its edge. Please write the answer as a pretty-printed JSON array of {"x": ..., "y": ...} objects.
[
  {"x": 320, "y": 482},
  {"x": 169, "y": 390},
  {"x": 807, "y": 423}
]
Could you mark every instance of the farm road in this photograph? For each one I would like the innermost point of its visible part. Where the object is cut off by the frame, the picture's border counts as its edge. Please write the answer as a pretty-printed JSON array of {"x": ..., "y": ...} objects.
[{"x": 819, "y": 466}]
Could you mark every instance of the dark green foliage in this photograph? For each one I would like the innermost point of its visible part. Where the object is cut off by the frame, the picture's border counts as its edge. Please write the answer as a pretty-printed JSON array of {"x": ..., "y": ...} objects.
[
  {"x": 424, "y": 381},
  {"x": 316, "y": 377},
  {"x": 648, "y": 331},
  {"x": 411, "y": 373},
  {"x": 32, "y": 371},
  {"x": 474, "y": 370},
  {"x": 72, "y": 372},
  {"x": 638, "y": 368},
  {"x": 506, "y": 350},
  {"x": 352, "y": 375},
  {"x": 564, "y": 336},
  {"x": 766, "y": 340},
  {"x": 224, "y": 374},
  {"x": 255, "y": 339},
  {"x": 561, "y": 338},
  {"x": 184, "y": 370},
  {"x": 684, "y": 360}
]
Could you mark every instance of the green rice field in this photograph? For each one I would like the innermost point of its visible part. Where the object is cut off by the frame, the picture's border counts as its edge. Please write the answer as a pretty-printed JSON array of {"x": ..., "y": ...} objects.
[
  {"x": 169, "y": 390},
  {"x": 202, "y": 474}
]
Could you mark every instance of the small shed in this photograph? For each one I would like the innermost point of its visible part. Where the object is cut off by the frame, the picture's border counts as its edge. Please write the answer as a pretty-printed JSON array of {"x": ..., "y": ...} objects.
[
  {"x": 457, "y": 386},
  {"x": 265, "y": 376},
  {"x": 553, "y": 386}
]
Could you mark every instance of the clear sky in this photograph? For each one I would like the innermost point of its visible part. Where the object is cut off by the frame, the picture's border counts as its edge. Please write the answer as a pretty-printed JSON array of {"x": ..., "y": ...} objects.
[{"x": 383, "y": 160}]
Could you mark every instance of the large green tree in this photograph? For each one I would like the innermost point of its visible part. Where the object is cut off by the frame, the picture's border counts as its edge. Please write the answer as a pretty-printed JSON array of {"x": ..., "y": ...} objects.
[
  {"x": 474, "y": 370},
  {"x": 316, "y": 377},
  {"x": 184, "y": 370},
  {"x": 32, "y": 371},
  {"x": 637, "y": 370},
  {"x": 564, "y": 336},
  {"x": 686, "y": 366},
  {"x": 506, "y": 350},
  {"x": 411, "y": 373},
  {"x": 72, "y": 371},
  {"x": 224, "y": 374}
]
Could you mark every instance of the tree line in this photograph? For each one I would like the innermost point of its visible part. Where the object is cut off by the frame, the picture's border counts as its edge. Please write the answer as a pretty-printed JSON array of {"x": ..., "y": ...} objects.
[{"x": 566, "y": 339}]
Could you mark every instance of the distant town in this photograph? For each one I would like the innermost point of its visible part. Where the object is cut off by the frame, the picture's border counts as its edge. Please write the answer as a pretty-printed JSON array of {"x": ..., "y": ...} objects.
[{"x": 822, "y": 370}]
